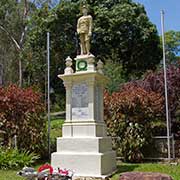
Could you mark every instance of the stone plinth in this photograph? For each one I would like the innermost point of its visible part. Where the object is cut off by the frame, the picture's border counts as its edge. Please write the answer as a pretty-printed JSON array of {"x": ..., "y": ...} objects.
[
  {"x": 144, "y": 176},
  {"x": 85, "y": 146}
]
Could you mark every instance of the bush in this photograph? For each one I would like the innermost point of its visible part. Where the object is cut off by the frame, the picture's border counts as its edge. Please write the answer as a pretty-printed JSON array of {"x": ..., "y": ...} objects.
[
  {"x": 12, "y": 158},
  {"x": 128, "y": 114},
  {"x": 154, "y": 82},
  {"x": 21, "y": 114},
  {"x": 135, "y": 138}
]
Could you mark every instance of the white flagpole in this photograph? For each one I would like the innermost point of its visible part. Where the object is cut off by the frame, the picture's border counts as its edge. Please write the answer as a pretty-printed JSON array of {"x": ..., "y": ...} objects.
[
  {"x": 165, "y": 86},
  {"x": 49, "y": 119}
]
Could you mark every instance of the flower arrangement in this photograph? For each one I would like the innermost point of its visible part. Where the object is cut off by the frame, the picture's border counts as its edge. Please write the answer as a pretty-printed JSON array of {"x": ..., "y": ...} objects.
[{"x": 46, "y": 172}]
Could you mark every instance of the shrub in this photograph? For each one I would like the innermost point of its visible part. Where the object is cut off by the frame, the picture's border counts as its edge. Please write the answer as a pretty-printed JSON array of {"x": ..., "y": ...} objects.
[
  {"x": 135, "y": 138},
  {"x": 128, "y": 114},
  {"x": 21, "y": 113},
  {"x": 154, "y": 82},
  {"x": 12, "y": 158},
  {"x": 141, "y": 104}
]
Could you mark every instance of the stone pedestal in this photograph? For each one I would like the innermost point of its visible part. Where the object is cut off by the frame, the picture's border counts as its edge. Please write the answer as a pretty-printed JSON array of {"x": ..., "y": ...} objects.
[{"x": 85, "y": 146}]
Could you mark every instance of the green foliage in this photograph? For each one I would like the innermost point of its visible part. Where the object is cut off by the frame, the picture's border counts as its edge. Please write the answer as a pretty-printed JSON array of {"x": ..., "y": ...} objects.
[
  {"x": 159, "y": 128},
  {"x": 12, "y": 158},
  {"x": 8, "y": 53},
  {"x": 128, "y": 114},
  {"x": 122, "y": 33},
  {"x": 60, "y": 22},
  {"x": 114, "y": 72},
  {"x": 56, "y": 131},
  {"x": 154, "y": 81},
  {"x": 135, "y": 140},
  {"x": 172, "y": 42},
  {"x": 58, "y": 101},
  {"x": 13, "y": 28},
  {"x": 57, "y": 123},
  {"x": 21, "y": 112},
  {"x": 138, "y": 110}
]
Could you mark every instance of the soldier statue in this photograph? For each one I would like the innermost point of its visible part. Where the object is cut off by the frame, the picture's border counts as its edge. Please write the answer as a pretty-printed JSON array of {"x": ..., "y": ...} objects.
[{"x": 84, "y": 29}]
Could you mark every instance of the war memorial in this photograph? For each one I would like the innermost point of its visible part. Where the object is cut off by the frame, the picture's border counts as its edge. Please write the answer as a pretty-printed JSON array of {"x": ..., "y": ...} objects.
[{"x": 84, "y": 145}]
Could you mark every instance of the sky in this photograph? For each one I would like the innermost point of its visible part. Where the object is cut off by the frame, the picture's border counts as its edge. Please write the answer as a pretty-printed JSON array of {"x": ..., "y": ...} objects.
[{"x": 171, "y": 9}]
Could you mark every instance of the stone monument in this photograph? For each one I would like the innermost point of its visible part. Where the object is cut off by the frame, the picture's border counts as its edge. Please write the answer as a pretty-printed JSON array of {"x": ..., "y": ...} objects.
[{"x": 84, "y": 146}]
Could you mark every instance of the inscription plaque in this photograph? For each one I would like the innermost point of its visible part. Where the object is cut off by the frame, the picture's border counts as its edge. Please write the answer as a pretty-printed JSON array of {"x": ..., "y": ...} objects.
[{"x": 80, "y": 101}]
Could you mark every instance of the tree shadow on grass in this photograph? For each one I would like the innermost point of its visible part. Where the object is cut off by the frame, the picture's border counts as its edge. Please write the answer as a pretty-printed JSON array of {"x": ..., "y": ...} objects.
[{"x": 126, "y": 168}]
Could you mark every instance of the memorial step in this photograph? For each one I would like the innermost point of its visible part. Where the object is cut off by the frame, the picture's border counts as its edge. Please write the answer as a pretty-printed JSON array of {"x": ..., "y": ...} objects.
[{"x": 94, "y": 144}]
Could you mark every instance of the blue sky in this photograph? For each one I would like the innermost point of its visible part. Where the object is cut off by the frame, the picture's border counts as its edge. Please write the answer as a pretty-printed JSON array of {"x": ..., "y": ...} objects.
[{"x": 172, "y": 13}]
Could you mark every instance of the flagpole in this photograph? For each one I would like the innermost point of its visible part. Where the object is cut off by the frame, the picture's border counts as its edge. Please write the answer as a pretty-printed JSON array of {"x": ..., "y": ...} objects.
[
  {"x": 48, "y": 103},
  {"x": 165, "y": 86}
]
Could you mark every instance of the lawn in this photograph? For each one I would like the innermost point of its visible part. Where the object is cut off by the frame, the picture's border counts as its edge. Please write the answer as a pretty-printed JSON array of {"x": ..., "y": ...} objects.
[
  {"x": 56, "y": 127},
  {"x": 174, "y": 171},
  {"x": 9, "y": 175}
]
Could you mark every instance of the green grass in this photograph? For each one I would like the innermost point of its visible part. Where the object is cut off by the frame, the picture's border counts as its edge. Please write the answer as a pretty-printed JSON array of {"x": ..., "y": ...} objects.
[
  {"x": 12, "y": 174},
  {"x": 57, "y": 123},
  {"x": 173, "y": 171},
  {"x": 56, "y": 127},
  {"x": 9, "y": 175}
]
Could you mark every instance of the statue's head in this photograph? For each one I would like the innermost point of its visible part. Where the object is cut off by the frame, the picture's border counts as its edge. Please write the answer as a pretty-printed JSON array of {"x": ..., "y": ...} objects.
[{"x": 84, "y": 10}]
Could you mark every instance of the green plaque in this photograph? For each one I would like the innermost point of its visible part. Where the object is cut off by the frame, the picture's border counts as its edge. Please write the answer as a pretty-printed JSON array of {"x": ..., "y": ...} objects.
[{"x": 81, "y": 65}]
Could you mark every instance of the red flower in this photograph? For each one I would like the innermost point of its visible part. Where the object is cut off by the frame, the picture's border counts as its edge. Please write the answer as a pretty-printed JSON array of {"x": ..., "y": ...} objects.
[{"x": 44, "y": 167}]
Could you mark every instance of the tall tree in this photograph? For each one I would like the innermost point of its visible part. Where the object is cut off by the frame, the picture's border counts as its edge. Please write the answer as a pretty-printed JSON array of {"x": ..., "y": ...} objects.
[
  {"x": 122, "y": 33},
  {"x": 172, "y": 39},
  {"x": 61, "y": 23},
  {"x": 13, "y": 27}
]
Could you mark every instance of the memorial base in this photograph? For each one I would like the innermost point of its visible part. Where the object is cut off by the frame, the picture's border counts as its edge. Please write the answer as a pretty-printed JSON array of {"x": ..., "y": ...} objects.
[{"x": 86, "y": 156}]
